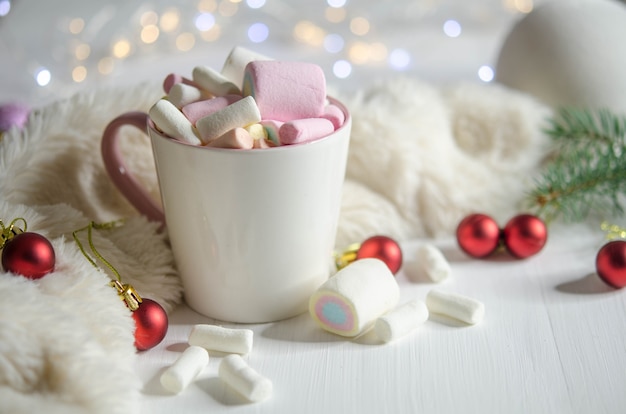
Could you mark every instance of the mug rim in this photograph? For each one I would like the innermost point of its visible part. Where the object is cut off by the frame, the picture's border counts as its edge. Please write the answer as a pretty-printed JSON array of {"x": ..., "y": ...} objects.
[{"x": 334, "y": 101}]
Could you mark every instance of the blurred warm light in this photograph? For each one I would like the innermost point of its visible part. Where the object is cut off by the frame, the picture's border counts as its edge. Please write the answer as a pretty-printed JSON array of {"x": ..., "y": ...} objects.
[
  {"x": 82, "y": 51},
  {"x": 43, "y": 76},
  {"x": 255, "y": 4},
  {"x": 485, "y": 73},
  {"x": 76, "y": 25},
  {"x": 227, "y": 8},
  {"x": 207, "y": 6},
  {"x": 307, "y": 32},
  {"x": 378, "y": 52},
  {"x": 333, "y": 43},
  {"x": 5, "y": 7},
  {"x": 149, "y": 18},
  {"x": 342, "y": 69},
  {"x": 258, "y": 32},
  {"x": 452, "y": 28},
  {"x": 359, "y": 26},
  {"x": 399, "y": 59},
  {"x": 105, "y": 65},
  {"x": 336, "y": 3},
  {"x": 121, "y": 48},
  {"x": 359, "y": 53},
  {"x": 212, "y": 34},
  {"x": 79, "y": 74},
  {"x": 520, "y": 6},
  {"x": 149, "y": 34},
  {"x": 204, "y": 21},
  {"x": 169, "y": 20},
  {"x": 185, "y": 41},
  {"x": 335, "y": 15}
]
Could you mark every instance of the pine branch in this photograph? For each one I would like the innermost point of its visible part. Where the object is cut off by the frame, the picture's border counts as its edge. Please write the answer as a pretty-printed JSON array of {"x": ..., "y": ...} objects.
[{"x": 588, "y": 173}]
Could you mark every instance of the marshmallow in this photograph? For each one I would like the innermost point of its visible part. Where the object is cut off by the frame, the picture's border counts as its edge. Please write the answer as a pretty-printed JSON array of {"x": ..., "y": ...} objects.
[
  {"x": 182, "y": 94},
  {"x": 238, "y": 114},
  {"x": 174, "y": 78},
  {"x": 236, "y": 138},
  {"x": 256, "y": 131},
  {"x": 285, "y": 91},
  {"x": 429, "y": 261},
  {"x": 334, "y": 114},
  {"x": 271, "y": 128},
  {"x": 172, "y": 122},
  {"x": 185, "y": 369},
  {"x": 263, "y": 143},
  {"x": 214, "y": 82},
  {"x": 455, "y": 306},
  {"x": 234, "y": 371},
  {"x": 304, "y": 130},
  {"x": 218, "y": 338},
  {"x": 196, "y": 110},
  {"x": 236, "y": 62},
  {"x": 401, "y": 321},
  {"x": 350, "y": 301}
]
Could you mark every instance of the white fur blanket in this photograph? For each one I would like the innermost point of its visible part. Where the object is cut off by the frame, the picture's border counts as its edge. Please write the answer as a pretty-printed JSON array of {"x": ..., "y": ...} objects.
[{"x": 421, "y": 158}]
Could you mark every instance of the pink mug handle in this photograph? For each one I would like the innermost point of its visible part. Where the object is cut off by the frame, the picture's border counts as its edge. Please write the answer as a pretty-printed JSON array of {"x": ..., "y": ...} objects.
[{"x": 115, "y": 166}]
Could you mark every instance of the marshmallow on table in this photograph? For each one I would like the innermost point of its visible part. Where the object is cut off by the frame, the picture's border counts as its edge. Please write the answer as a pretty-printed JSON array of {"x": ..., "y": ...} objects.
[
  {"x": 185, "y": 369},
  {"x": 172, "y": 122},
  {"x": 181, "y": 94},
  {"x": 429, "y": 261},
  {"x": 234, "y": 371},
  {"x": 350, "y": 301},
  {"x": 238, "y": 114},
  {"x": 401, "y": 321},
  {"x": 285, "y": 91},
  {"x": 236, "y": 62},
  {"x": 455, "y": 306},
  {"x": 213, "y": 81},
  {"x": 299, "y": 131},
  {"x": 218, "y": 338},
  {"x": 196, "y": 110}
]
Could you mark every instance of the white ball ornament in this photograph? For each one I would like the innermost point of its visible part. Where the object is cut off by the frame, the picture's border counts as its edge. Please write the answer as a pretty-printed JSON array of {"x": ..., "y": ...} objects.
[{"x": 569, "y": 53}]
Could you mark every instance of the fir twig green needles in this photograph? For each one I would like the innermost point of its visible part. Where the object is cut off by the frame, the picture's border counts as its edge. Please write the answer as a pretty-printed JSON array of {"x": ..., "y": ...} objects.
[{"x": 588, "y": 171}]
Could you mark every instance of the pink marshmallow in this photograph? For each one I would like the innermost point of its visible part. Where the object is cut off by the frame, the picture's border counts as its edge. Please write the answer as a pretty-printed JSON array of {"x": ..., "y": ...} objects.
[
  {"x": 174, "y": 78},
  {"x": 304, "y": 130},
  {"x": 285, "y": 91},
  {"x": 334, "y": 115},
  {"x": 236, "y": 138},
  {"x": 196, "y": 110}
]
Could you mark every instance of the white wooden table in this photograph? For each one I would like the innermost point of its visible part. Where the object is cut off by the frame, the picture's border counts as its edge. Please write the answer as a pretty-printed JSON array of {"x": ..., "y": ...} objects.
[{"x": 553, "y": 341}]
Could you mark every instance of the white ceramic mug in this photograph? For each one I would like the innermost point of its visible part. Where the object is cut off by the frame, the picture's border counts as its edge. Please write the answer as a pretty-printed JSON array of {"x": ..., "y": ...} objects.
[{"x": 252, "y": 231}]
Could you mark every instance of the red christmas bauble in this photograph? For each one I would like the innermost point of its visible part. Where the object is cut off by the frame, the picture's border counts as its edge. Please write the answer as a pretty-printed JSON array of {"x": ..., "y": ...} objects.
[
  {"x": 383, "y": 248},
  {"x": 525, "y": 235},
  {"x": 150, "y": 324},
  {"x": 28, "y": 254},
  {"x": 611, "y": 263},
  {"x": 478, "y": 235}
]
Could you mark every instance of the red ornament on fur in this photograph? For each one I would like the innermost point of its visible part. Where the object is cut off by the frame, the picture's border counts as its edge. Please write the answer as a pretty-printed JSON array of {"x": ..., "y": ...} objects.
[
  {"x": 611, "y": 263},
  {"x": 478, "y": 235},
  {"x": 383, "y": 248},
  {"x": 525, "y": 235},
  {"x": 28, "y": 254},
  {"x": 150, "y": 324}
]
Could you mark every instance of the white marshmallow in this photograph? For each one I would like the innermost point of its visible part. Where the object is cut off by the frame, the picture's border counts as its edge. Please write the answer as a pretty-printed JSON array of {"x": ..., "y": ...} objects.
[
  {"x": 172, "y": 122},
  {"x": 350, "y": 301},
  {"x": 238, "y": 114},
  {"x": 401, "y": 321},
  {"x": 234, "y": 371},
  {"x": 456, "y": 306},
  {"x": 236, "y": 62},
  {"x": 182, "y": 94},
  {"x": 185, "y": 369},
  {"x": 214, "y": 82},
  {"x": 218, "y": 338},
  {"x": 429, "y": 261}
]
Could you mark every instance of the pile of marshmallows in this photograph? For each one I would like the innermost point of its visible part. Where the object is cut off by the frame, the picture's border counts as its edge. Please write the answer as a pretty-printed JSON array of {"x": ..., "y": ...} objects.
[
  {"x": 254, "y": 102},
  {"x": 365, "y": 295}
]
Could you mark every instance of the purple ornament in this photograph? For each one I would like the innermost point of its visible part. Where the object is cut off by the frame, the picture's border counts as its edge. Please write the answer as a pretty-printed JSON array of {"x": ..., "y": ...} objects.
[{"x": 13, "y": 114}]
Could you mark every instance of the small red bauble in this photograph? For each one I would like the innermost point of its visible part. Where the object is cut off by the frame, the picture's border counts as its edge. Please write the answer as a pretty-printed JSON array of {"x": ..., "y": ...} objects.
[
  {"x": 524, "y": 235},
  {"x": 150, "y": 324},
  {"x": 383, "y": 248},
  {"x": 611, "y": 263},
  {"x": 478, "y": 235},
  {"x": 28, "y": 254}
]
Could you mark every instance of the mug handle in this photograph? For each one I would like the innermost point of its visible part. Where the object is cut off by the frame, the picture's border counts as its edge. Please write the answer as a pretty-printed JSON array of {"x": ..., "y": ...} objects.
[{"x": 121, "y": 176}]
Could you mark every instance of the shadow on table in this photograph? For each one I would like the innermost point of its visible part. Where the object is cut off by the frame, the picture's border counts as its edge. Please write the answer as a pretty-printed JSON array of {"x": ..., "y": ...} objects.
[
  {"x": 300, "y": 328},
  {"x": 588, "y": 285}
]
